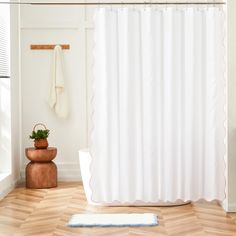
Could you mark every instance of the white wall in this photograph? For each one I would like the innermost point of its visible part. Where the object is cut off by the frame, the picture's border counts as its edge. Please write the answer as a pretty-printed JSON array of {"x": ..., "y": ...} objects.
[
  {"x": 54, "y": 25},
  {"x": 231, "y": 206},
  {"x": 15, "y": 93}
]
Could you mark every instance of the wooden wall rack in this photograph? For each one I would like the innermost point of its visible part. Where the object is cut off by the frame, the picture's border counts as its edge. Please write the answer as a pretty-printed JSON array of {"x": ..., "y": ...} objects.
[{"x": 48, "y": 46}]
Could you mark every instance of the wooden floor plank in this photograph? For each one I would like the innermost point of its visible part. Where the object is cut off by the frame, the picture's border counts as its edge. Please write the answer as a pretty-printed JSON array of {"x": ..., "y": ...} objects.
[{"x": 45, "y": 212}]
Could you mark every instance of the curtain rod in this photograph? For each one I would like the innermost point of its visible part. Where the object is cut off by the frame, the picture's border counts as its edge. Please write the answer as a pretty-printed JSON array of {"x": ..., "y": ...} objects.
[{"x": 114, "y": 3}]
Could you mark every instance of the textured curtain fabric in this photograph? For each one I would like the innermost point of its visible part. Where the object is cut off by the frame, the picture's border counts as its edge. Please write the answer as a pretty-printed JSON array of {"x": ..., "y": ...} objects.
[{"x": 158, "y": 105}]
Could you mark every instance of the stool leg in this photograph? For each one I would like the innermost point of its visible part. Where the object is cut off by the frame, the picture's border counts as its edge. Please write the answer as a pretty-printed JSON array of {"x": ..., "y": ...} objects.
[{"x": 41, "y": 175}]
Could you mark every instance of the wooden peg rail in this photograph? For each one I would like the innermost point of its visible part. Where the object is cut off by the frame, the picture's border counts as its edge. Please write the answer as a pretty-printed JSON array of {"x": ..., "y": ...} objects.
[{"x": 48, "y": 46}]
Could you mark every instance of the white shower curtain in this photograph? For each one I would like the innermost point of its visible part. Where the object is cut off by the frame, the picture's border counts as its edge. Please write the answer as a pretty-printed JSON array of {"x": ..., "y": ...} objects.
[{"x": 158, "y": 105}]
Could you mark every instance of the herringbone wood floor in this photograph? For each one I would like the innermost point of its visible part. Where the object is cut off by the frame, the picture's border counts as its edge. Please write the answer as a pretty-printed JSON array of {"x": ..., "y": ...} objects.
[{"x": 46, "y": 211}]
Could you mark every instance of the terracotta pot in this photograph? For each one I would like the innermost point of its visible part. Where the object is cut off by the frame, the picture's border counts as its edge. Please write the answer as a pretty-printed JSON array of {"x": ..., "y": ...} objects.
[
  {"x": 41, "y": 155},
  {"x": 40, "y": 143}
]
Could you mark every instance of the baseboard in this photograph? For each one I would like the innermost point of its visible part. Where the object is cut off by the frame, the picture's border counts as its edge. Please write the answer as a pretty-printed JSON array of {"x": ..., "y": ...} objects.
[
  {"x": 232, "y": 208},
  {"x": 7, "y": 185},
  {"x": 65, "y": 172},
  {"x": 68, "y": 171},
  {"x": 229, "y": 207}
]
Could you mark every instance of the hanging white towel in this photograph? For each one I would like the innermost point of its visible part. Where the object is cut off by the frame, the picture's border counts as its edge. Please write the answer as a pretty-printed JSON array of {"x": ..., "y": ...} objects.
[{"x": 58, "y": 99}]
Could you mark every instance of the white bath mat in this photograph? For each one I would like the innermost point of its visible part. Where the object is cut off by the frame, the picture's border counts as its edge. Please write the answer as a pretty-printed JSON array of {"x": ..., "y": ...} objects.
[{"x": 106, "y": 220}]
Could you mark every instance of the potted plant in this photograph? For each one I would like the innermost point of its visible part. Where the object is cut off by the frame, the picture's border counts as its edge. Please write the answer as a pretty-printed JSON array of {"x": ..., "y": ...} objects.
[{"x": 40, "y": 137}]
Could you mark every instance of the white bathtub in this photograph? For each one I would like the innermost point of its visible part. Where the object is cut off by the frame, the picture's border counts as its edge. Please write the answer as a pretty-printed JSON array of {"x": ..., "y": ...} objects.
[{"x": 85, "y": 161}]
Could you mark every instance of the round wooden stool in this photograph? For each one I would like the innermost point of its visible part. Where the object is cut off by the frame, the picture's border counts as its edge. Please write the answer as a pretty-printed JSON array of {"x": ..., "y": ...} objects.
[{"x": 41, "y": 172}]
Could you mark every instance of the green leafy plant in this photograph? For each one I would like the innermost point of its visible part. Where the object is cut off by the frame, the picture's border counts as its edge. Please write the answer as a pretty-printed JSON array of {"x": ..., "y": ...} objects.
[{"x": 39, "y": 134}]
